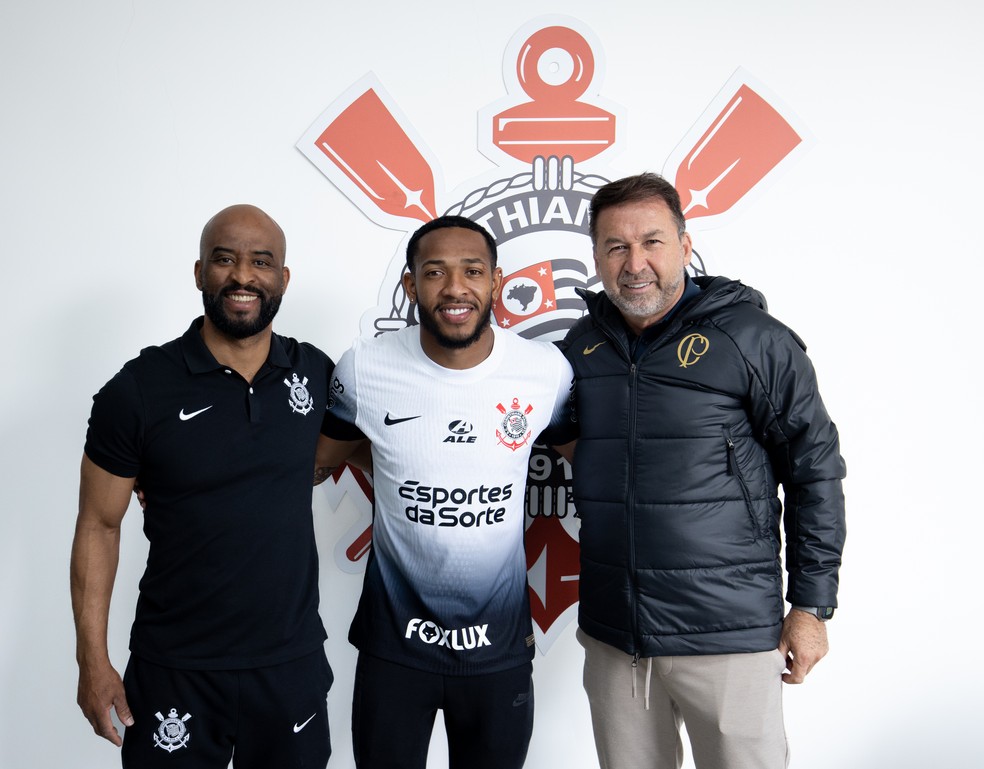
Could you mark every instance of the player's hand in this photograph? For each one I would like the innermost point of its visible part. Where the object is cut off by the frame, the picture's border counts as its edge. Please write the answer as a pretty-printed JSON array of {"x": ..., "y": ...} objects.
[
  {"x": 100, "y": 689},
  {"x": 141, "y": 497},
  {"x": 803, "y": 643}
]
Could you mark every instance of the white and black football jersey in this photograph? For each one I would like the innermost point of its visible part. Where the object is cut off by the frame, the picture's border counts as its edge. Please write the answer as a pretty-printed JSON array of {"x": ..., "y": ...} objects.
[{"x": 445, "y": 587}]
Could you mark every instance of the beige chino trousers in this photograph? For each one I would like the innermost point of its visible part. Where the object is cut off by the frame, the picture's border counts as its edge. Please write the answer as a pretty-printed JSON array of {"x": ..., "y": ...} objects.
[{"x": 731, "y": 705}]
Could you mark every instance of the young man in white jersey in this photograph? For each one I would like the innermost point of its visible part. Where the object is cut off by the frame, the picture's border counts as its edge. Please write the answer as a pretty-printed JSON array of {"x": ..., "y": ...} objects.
[{"x": 451, "y": 409}]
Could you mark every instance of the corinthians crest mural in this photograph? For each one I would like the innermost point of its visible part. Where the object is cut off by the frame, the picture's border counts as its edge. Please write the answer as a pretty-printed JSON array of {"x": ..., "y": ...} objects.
[{"x": 549, "y": 136}]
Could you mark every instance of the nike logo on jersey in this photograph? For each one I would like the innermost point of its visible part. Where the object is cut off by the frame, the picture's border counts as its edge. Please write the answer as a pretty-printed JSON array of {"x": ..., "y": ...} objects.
[
  {"x": 298, "y": 727},
  {"x": 185, "y": 417},
  {"x": 589, "y": 350},
  {"x": 388, "y": 420}
]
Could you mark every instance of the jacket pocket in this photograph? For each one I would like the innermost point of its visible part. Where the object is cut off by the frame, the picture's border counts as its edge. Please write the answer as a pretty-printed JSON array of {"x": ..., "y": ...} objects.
[{"x": 734, "y": 469}]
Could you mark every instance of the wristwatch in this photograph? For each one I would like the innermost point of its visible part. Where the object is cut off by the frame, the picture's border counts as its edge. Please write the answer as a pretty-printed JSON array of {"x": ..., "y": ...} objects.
[{"x": 822, "y": 613}]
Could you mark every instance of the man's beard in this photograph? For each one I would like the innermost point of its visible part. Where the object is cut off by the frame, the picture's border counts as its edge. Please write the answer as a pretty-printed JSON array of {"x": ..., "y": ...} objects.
[
  {"x": 643, "y": 307},
  {"x": 428, "y": 322},
  {"x": 637, "y": 308},
  {"x": 240, "y": 329}
]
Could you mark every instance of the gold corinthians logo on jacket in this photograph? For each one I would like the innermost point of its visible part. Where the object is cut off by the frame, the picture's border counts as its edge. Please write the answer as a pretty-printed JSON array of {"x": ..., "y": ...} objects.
[{"x": 691, "y": 349}]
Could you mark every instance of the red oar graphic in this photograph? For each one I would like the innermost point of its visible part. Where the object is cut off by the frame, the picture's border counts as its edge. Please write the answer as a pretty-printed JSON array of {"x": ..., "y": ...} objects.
[
  {"x": 738, "y": 141},
  {"x": 553, "y": 571},
  {"x": 364, "y": 145},
  {"x": 359, "y": 547}
]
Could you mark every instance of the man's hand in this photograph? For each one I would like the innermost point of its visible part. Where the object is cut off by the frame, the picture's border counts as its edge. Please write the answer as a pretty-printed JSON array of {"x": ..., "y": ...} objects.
[
  {"x": 141, "y": 497},
  {"x": 803, "y": 643},
  {"x": 566, "y": 450},
  {"x": 101, "y": 688}
]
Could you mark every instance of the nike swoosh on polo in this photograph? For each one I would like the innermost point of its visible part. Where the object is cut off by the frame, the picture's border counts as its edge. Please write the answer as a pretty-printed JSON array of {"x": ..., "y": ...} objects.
[
  {"x": 185, "y": 417},
  {"x": 388, "y": 420},
  {"x": 589, "y": 350},
  {"x": 298, "y": 727}
]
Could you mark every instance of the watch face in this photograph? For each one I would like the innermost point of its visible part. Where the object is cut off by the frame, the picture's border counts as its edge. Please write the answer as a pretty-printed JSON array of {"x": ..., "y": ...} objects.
[{"x": 825, "y": 612}]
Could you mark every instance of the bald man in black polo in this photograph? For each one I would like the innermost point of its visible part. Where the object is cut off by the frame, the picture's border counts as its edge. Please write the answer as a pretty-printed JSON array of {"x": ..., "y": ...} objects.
[{"x": 219, "y": 428}]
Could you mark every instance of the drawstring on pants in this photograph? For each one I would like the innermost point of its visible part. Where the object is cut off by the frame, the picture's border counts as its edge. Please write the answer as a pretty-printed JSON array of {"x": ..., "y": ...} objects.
[{"x": 649, "y": 676}]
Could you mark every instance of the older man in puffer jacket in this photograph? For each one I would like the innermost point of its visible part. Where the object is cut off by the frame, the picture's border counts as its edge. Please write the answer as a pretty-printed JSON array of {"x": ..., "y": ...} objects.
[{"x": 692, "y": 406}]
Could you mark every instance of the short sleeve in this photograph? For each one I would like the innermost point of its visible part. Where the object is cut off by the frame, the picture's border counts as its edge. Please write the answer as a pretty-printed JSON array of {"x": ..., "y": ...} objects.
[
  {"x": 563, "y": 421},
  {"x": 340, "y": 415},
  {"x": 116, "y": 426}
]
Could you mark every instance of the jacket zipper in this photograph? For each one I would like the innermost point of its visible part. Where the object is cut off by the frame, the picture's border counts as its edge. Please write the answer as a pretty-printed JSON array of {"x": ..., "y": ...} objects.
[
  {"x": 735, "y": 470},
  {"x": 608, "y": 331},
  {"x": 615, "y": 338},
  {"x": 616, "y": 341},
  {"x": 677, "y": 324},
  {"x": 630, "y": 502}
]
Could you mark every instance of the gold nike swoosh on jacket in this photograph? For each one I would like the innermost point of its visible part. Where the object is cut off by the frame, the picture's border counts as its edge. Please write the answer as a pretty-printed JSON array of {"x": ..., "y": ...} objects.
[{"x": 589, "y": 350}]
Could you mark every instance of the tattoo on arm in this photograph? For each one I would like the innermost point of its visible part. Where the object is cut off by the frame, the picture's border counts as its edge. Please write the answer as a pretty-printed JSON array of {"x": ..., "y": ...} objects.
[{"x": 321, "y": 474}]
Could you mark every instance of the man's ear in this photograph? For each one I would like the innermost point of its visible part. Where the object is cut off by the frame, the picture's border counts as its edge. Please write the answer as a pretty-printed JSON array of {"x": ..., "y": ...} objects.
[
  {"x": 688, "y": 248},
  {"x": 496, "y": 283},
  {"x": 410, "y": 286}
]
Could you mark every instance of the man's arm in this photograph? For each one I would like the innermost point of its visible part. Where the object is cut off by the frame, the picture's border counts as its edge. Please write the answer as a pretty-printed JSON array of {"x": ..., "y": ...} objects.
[
  {"x": 103, "y": 499},
  {"x": 332, "y": 452},
  {"x": 804, "y": 447}
]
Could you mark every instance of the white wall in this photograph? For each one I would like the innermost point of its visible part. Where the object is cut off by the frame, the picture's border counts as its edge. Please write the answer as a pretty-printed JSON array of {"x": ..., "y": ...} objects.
[{"x": 126, "y": 124}]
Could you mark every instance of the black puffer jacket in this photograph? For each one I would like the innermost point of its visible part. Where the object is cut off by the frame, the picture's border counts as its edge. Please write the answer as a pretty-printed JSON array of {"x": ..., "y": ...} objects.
[{"x": 676, "y": 472}]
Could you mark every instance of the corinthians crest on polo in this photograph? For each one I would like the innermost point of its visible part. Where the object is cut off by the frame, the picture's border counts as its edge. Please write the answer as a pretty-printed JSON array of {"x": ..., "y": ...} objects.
[
  {"x": 300, "y": 401},
  {"x": 547, "y": 135}
]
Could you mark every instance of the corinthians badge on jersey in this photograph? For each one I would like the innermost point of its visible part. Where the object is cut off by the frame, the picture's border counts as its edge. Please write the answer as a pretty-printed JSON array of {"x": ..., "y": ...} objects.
[
  {"x": 172, "y": 733},
  {"x": 515, "y": 430},
  {"x": 300, "y": 399}
]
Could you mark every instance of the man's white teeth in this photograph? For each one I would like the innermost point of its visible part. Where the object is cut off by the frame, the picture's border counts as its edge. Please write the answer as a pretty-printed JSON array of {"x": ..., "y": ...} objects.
[
  {"x": 456, "y": 311},
  {"x": 243, "y": 297}
]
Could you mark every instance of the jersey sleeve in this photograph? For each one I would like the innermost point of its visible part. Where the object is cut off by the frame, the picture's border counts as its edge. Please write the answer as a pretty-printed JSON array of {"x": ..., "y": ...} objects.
[
  {"x": 563, "y": 423},
  {"x": 116, "y": 427},
  {"x": 329, "y": 367},
  {"x": 340, "y": 416}
]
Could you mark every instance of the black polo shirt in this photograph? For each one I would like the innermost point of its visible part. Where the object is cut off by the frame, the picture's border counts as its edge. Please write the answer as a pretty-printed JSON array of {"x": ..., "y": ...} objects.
[{"x": 232, "y": 573}]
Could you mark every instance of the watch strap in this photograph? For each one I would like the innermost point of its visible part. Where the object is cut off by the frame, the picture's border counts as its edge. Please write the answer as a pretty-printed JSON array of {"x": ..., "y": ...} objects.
[{"x": 822, "y": 613}]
